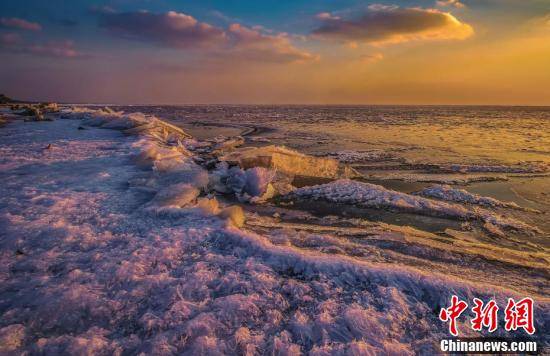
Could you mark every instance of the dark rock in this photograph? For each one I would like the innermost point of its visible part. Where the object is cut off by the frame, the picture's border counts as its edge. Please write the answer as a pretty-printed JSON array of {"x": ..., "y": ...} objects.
[{"x": 5, "y": 100}]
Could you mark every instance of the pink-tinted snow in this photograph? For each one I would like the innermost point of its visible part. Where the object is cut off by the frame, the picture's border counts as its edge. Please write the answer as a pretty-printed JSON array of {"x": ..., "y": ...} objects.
[{"x": 87, "y": 268}]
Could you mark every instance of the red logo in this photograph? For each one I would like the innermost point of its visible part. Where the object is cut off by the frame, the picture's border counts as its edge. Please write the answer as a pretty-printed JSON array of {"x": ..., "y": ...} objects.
[
  {"x": 517, "y": 315},
  {"x": 452, "y": 313},
  {"x": 485, "y": 316},
  {"x": 520, "y": 315}
]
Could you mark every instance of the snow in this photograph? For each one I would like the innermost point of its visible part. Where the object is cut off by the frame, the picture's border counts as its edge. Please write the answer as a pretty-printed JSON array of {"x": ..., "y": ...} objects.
[
  {"x": 87, "y": 268},
  {"x": 448, "y": 193},
  {"x": 366, "y": 195}
]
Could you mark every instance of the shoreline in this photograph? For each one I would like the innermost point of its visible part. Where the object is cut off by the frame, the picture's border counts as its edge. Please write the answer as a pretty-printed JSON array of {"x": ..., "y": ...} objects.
[{"x": 165, "y": 240}]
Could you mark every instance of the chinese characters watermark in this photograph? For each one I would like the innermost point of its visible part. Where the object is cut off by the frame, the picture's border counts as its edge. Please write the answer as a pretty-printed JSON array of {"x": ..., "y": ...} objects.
[{"x": 516, "y": 315}]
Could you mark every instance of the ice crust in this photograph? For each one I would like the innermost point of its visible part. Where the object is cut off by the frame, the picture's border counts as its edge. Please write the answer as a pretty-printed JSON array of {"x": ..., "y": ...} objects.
[
  {"x": 349, "y": 192},
  {"x": 519, "y": 168},
  {"x": 448, "y": 193},
  {"x": 86, "y": 268}
]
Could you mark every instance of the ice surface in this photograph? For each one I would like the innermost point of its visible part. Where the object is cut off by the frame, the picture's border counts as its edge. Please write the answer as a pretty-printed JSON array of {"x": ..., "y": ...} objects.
[
  {"x": 351, "y": 156},
  {"x": 439, "y": 178},
  {"x": 538, "y": 167},
  {"x": 85, "y": 268}
]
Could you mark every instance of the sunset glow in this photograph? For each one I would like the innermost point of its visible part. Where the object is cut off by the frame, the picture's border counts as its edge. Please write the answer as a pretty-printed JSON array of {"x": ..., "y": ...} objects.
[{"x": 351, "y": 52}]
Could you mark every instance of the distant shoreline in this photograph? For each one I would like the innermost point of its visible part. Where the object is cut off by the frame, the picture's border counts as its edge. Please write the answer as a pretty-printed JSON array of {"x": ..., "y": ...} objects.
[{"x": 95, "y": 104}]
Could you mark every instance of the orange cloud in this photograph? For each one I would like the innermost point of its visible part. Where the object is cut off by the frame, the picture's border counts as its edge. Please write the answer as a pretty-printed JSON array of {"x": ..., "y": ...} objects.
[
  {"x": 391, "y": 24},
  {"x": 253, "y": 44}
]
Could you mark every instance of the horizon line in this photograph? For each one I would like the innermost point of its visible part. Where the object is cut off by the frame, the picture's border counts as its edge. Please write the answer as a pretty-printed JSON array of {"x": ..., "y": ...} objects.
[{"x": 19, "y": 101}]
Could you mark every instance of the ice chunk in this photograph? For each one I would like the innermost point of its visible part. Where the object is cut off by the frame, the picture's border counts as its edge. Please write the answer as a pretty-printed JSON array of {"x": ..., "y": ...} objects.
[
  {"x": 133, "y": 123},
  {"x": 140, "y": 129},
  {"x": 178, "y": 195},
  {"x": 254, "y": 184},
  {"x": 171, "y": 164},
  {"x": 150, "y": 152},
  {"x": 288, "y": 161},
  {"x": 258, "y": 180},
  {"x": 236, "y": 180},
  {"x": 217, "y": 179},
  {"x": 91, "y": 117},
  {"x": 208, "y": 206},
  {"x": 126, "y": 121},
  {"x": 234, "y": 214}
]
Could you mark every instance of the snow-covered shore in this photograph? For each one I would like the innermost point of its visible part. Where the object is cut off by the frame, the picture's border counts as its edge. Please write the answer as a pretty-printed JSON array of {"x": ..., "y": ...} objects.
[{"x": 111, "y": 243}]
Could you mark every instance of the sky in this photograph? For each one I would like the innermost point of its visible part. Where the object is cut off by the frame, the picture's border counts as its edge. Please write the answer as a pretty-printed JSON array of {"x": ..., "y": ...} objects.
[{"x": 488, "y": 52}]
